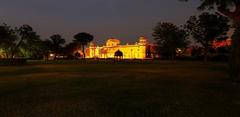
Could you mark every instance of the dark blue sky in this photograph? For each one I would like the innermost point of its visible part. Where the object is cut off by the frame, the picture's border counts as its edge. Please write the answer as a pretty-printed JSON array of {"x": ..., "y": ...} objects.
[{"x": 123, "y": 19}]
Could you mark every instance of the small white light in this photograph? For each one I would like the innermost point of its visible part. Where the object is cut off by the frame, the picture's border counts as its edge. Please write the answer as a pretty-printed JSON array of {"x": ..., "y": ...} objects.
[{"x": 51, "y": 55}]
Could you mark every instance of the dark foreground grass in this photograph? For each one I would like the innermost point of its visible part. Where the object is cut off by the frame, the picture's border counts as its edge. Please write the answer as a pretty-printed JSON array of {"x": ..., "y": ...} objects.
[{"x": 184, "y": 89}]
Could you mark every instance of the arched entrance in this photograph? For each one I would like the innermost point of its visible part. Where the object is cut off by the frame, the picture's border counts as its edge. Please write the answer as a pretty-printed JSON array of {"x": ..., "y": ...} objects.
[{"x": 118, "y": 55}]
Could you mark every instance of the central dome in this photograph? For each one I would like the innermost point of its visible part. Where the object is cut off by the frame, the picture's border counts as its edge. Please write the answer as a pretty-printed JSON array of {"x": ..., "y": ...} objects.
[{"x": 112, "y": 42}]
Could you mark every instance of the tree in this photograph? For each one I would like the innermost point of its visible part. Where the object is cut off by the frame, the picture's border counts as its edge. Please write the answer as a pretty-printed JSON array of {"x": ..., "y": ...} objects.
[
  {"x": 46, "y": 47},
  {"x": 83, "y": 38},
  {"x": 13, "y": 40},
  {"x": 7, "y": 39},
  {"x": 25, "y": 34},
  {"x": 206, "y": 28},
  {"x": 55, "y": 43},
  {"x": 231, "y": 9},
  {"x": 169, "y": 37},
  {"x": 33, "y": 47},
  {"x": 71, "y": 48}
]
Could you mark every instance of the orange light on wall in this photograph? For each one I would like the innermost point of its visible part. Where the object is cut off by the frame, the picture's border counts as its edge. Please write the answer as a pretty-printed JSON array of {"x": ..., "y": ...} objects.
[{"x": 224, "y": 43}]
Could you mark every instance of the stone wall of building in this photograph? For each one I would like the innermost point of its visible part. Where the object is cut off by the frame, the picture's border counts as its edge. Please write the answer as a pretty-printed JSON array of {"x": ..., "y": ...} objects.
[{"x": 134, "y": 51}]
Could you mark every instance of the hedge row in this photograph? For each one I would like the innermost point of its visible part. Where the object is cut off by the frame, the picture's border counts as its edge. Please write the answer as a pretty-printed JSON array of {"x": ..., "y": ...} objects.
[{"x": 13, "y": 61}]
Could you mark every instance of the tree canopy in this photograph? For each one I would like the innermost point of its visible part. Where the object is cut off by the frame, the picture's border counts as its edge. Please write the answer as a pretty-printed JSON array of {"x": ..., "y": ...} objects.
[
  {"x": 7, "y": 39},
  {"x": 54, "y": 43},
  {"x": 22, "y": 41},
  {"x": 231, "y": 9},
  {"x": 83, "y": 38},
  {"x": 57, "y": 42},
  {"x": 169, "y": 37},
  {"x": 207, "y": 27}
]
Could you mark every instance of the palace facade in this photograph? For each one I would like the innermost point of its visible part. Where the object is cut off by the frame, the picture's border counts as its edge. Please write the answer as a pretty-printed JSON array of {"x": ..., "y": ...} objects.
[{"x": 113, "y": 49}]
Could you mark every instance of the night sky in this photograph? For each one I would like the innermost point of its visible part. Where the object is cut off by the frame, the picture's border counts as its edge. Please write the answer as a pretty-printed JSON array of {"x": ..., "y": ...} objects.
[{"x": 123, "y": 19}]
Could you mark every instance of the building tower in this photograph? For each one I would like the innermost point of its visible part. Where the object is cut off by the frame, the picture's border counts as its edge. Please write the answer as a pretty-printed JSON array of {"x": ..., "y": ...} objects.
[
  {"x": 142, "y": 40},
  {"x": 142, "y": 47}
]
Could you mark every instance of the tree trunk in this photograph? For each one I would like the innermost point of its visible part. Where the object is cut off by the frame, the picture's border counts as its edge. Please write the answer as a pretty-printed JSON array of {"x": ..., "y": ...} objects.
[
  {"x": 205, "y": 54},
  {"x": 6, "y": 53},
  {"x": 172, "y": 55},
  {"x": 7, "y": 56},
  {"x": 14, "y": 49},
  {"x": 12, "y": 54},
  {"x": 235, "y": 55},
  {"x": 83, "y": 49},
  {"x": 55, "y": 56}
]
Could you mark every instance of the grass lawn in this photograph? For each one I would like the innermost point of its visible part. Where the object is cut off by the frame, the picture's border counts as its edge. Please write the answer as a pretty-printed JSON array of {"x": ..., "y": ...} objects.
[{"x": 162, "y": 89}]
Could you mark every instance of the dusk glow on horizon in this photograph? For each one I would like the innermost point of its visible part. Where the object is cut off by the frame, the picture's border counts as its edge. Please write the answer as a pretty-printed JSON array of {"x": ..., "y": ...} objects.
[{"x": 123, "y": 19}]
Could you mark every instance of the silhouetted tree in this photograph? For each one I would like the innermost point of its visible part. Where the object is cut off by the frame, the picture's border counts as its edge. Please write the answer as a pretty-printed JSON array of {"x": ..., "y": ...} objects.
[
  {"x": 206, "y": 28},
  {"x": 231, "y": 9},
  {"x": 169, "y": 37},
  {"x": 71, "y": 48},
  {"x": 23, "y": 36},
  {"x": 7, "y": 39},
  {"x": 32, "y": 46},
  {"x": 14, "y": 40},
  {"x": 83, "y": 38},
  {"x": 46, "y": 48},
  {"x": 77, "y": 55},
  {"x": 55, "y": 43}
]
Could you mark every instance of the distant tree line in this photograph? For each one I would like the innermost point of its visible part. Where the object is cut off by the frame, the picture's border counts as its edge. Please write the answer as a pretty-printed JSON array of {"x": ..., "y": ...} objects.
[
  {"x": 24, "y": 42},
  {"x": 202, "y": 29}
]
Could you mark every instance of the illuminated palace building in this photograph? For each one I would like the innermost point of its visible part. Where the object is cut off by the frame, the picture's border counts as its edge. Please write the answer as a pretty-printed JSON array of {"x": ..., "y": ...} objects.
[{"x": 113, "y": 49}]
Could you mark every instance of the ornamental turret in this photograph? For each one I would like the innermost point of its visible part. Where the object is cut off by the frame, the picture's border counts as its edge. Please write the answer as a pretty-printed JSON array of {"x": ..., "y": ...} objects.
[{"x": 142, "y": 40}]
